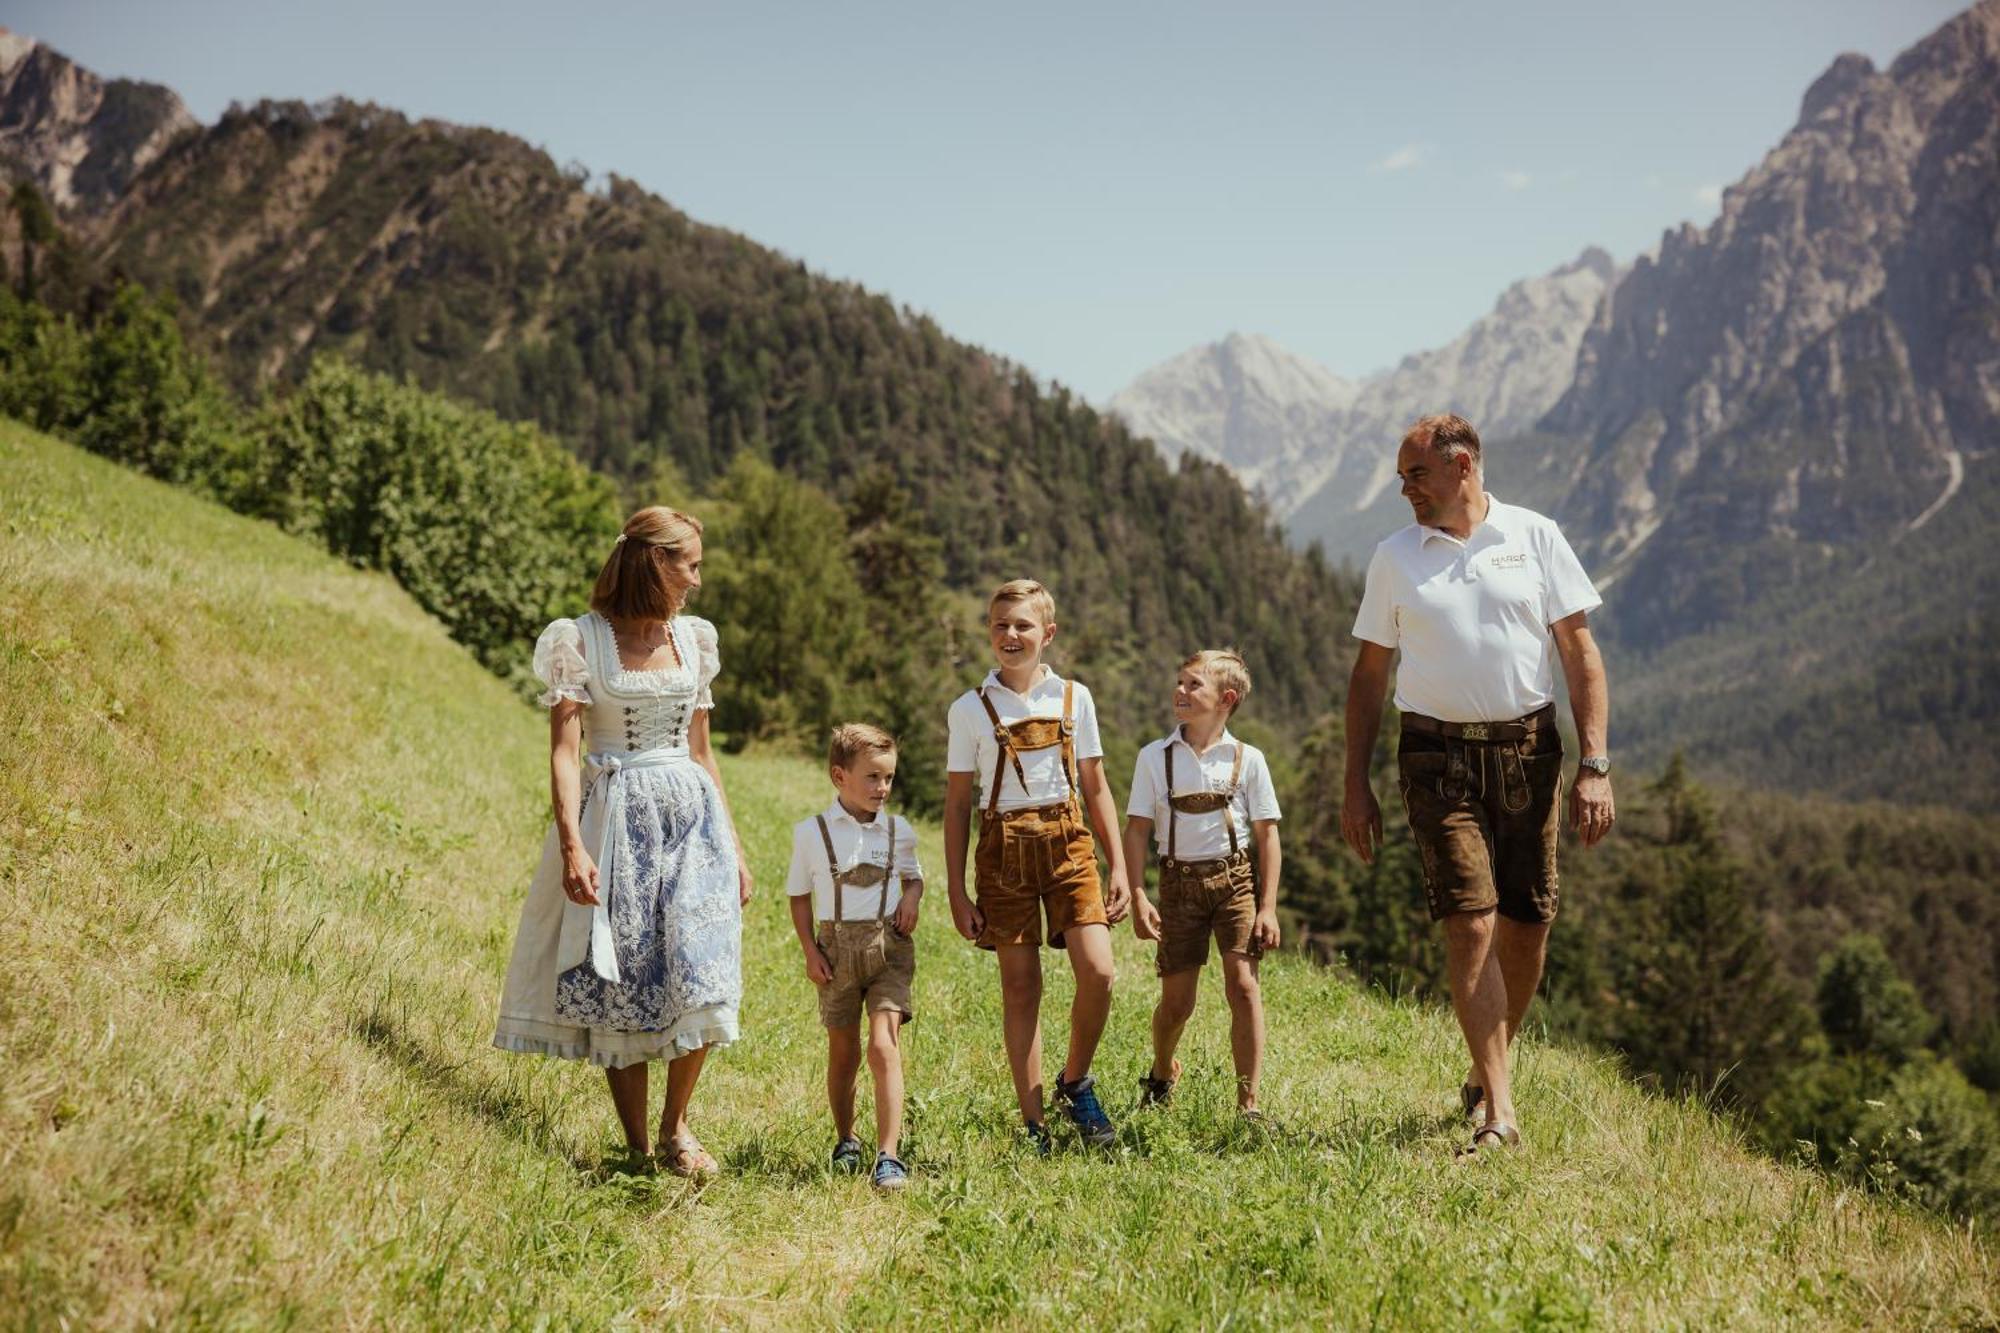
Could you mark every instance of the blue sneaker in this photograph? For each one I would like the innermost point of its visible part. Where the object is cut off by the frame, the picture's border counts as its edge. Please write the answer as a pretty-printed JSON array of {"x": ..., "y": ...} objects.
[
  {"x": 847, "y": 1154},
  {"x": 890, "y": 1173},
  {"x": 1079, "y": 1102},
  {"x": 1037, "y": 1135}
]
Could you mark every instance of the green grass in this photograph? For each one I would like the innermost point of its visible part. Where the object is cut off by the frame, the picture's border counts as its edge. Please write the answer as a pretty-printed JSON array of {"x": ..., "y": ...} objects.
[{"x": 263, "y": 836}]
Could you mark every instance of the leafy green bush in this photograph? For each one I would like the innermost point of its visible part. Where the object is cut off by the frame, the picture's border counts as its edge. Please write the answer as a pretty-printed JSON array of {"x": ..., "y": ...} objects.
[{"x": 489, "y": 524}]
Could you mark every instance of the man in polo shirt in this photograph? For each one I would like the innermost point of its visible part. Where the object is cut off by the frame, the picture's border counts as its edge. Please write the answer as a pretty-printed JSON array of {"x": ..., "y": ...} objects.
[{"x": 1481, "y": 598}]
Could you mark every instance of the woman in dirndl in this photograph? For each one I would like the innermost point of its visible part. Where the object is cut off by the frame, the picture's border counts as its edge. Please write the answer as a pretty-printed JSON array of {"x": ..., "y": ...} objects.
[{"x": 630, "y": 945}]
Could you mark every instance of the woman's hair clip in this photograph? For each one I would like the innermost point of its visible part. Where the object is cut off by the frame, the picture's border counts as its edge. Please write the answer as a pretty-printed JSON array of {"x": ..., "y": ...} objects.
[{"x": 620, "y": 541}]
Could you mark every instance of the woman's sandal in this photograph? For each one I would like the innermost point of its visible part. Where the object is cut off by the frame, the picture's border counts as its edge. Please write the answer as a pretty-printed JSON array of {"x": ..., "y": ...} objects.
[
  {"x": 686, "y": 1158},
  {"x": 1502, "y": 1134},
  {"x": 1470, "y": 1098}
]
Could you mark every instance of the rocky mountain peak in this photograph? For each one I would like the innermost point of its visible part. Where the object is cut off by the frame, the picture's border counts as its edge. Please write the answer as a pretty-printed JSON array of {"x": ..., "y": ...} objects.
[
  {"x": 1842, "y": 79},
  {"x": 81, "y": 138}
]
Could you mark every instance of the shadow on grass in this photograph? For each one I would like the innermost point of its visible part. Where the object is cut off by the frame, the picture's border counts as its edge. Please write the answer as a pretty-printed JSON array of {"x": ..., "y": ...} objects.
[{"x": 505, "y": 1109}]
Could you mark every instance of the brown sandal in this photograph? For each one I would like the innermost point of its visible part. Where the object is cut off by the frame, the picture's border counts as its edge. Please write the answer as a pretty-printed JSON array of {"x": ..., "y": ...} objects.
[{"x": 686, "y": 1158}]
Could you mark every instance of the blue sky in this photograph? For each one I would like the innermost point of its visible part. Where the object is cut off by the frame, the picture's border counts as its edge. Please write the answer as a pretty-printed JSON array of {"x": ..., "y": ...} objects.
[{"x": 1088, "y": 189}]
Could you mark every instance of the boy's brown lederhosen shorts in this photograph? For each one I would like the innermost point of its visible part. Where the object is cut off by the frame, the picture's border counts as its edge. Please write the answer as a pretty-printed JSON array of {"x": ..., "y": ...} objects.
[
  {"x": 874, "y": 966},
  {"x": 1033, "y": 863},
  {"x": 1485, "y": 813},
  {"x": 1203, "y": 898}
]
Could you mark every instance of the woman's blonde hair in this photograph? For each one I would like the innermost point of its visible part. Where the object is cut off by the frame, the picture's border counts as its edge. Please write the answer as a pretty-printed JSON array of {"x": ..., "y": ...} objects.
[
  {"x": 635, "y": 583},
  {"x": 1224, "y": 669}
]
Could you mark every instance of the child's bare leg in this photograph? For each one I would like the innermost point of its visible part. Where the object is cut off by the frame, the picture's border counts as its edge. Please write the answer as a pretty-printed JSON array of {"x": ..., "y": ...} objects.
[
  {"x": 885, "y": 1063},
  {"x": 1246, "y": 1024},
  {"x": 1021, "y": 1023},
  {"x": 1170, "y": 1017},
  {"x": 628, "y": 1094},
  {"x": 1089, "y": 949},
  {"x": 843, "y": 1062}
]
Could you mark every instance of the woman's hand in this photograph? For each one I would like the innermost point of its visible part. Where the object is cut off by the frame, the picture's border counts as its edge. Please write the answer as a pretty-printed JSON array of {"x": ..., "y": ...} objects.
[
  {"x": 579, "y": 876},
  {"x": 744, "y": 882}
]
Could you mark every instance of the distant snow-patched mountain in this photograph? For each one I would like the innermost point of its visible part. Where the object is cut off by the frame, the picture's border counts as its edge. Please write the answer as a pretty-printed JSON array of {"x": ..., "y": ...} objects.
[
  {"x": 1321, "y": 448},
  {"x": 1263, "y": 412}
]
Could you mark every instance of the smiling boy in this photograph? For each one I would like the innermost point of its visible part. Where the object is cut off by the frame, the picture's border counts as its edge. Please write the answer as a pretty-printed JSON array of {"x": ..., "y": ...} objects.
[
  {"x": 1031, "y": 737},
  {"x": 1208, "y": 798}
]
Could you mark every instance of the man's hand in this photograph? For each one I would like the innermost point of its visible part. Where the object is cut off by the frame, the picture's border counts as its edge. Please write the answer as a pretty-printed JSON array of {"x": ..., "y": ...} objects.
[
  {"x": 1117, "y": 897},
  {"x": 906, "y": 913},
  {"x": 819, "y": 971},
  {"x": 1361, "y": 821},
  {"x": 1265, "y": 931},
  {"x": 1145, "y": 918},
  {"x": 966, "y": 916},
  {"x": 1591, "y": 809}
]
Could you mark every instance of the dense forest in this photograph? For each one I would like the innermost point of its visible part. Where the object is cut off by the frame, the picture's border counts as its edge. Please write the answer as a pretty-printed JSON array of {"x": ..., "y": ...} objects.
[{"x": 663, "y": 352}]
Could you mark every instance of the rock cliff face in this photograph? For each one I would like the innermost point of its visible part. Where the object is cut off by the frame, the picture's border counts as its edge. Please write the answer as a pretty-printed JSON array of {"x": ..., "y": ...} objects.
[
  {"x": 79, "y": 137},
  {"x": 1812, "y": 372}
]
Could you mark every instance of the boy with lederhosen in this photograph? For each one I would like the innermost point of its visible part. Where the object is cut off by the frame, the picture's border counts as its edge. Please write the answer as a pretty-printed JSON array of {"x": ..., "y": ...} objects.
[
  {"x": 1208, "y": 797},
  {"x": 1032, "y": 737},
  {"x": 854, "y": 887}
]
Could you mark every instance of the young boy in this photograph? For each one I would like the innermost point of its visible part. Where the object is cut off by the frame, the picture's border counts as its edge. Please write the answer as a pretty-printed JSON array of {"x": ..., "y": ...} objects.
[
  {"x": 1208, "y": 796},
  {"x": 1029, "y": 739},
  {"x": 854, "y": 887}
]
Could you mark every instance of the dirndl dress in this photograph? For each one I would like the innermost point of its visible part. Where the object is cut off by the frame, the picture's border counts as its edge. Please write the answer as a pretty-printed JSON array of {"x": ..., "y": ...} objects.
[{"x": 655, "y": 969}]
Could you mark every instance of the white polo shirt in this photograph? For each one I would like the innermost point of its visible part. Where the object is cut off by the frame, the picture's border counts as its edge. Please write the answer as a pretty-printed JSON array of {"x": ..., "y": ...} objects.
[
  {"x": 972, "y": 748},
  {"x": 1202, "y": 837},
  {"x": 853, "y": 843},
  {"x": 1472, "y": 617}
]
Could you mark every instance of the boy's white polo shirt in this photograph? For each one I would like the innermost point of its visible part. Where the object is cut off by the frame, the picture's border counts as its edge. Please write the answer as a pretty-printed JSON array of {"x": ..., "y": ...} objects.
[
  {"x": 972, "y": 748},
  {"x": 854, "y": 843},
  {"x": 1472, "y": 617},
  {"x": 1202, "y": 837}
]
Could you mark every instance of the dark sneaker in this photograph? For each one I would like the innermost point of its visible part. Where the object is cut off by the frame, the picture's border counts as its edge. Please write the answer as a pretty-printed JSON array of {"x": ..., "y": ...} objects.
[
  {"x": 890, "y": 1173},
  {"x": 1154, "y": 1091},
  {"x": 1037, "y": 1135},
  {"x": 1079, "y": 1102},
  {"x": 847, "y": 1154}
]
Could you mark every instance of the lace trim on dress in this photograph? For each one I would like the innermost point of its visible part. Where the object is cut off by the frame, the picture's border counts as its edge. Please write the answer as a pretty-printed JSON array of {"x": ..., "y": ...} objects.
[{"x": 664, "y": 680}]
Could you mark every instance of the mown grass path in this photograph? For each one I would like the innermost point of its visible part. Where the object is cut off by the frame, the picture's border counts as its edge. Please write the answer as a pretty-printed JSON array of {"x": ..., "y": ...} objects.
[{"x": 263, "y": 834}]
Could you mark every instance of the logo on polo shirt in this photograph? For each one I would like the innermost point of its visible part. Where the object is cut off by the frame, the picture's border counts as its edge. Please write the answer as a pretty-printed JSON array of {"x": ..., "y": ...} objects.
[{"x": 1518, "y": 560}]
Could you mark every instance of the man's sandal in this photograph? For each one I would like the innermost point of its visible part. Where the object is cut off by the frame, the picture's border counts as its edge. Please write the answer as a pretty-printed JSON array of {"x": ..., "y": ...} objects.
[{"x": 687, "y": 1159}]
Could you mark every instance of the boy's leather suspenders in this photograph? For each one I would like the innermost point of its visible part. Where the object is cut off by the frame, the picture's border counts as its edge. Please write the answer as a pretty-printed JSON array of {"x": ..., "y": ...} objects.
[
  {"x": 1033, "y": 734},
  {"x": 1201, "y": 802},
  {"x": 861, "y": 875}
]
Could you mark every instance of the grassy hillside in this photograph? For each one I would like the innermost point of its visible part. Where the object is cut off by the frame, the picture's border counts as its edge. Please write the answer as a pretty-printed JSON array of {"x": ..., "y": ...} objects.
[{"x": 263, "y": 833}]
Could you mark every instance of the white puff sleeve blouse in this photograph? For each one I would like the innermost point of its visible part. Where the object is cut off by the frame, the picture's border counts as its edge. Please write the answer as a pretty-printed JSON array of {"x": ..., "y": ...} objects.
[{"x": 559, "y": 664}]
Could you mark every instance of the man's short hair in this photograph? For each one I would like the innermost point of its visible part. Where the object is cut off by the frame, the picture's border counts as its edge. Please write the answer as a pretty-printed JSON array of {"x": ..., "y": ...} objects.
[
  {"x": 1224, "y": 669},
  {"x": 1447, "y": 433},
  {"x": 1024, "y": 590},
  {"x": 851, "y": 740}
]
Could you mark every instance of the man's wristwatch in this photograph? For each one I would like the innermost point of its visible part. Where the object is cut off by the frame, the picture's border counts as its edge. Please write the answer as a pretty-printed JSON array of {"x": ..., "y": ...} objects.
[{"x": 1599, "y": 764}]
